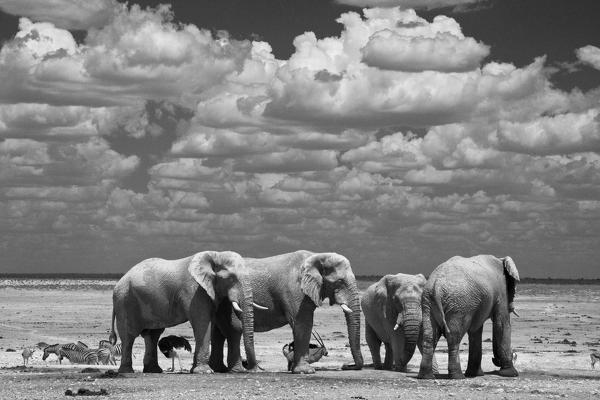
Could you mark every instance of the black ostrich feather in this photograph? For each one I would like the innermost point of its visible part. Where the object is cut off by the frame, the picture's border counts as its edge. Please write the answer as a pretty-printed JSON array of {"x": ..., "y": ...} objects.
[{"x": 168, "y": 343}]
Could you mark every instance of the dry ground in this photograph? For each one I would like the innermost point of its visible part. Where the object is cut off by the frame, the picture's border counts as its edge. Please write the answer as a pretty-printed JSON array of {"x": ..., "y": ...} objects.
[{"x": 557, "y": 329}]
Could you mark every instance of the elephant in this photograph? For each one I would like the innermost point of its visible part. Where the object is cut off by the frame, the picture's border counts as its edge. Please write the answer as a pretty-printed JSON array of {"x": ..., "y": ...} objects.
[
  {"x": 392, "y": 309},
  {"x": 459, "y": 296},
  {"x": 158, "y": 293},
  {"x": 291, "y": 286}
]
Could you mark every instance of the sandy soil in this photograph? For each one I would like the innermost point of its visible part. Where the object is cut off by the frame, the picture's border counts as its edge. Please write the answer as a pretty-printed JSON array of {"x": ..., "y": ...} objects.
[{"x": 557, "y": 329}]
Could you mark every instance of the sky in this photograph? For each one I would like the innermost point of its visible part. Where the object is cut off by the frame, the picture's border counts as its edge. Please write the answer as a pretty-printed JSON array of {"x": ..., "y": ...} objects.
[{"x": 398, "y": 133}]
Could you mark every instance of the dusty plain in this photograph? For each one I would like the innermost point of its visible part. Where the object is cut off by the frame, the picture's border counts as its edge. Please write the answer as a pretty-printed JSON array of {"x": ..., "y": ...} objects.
[{"x": 557, "y": 329}]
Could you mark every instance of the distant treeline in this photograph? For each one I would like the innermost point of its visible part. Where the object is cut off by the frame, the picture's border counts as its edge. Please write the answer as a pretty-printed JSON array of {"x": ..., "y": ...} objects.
[
  {"x": 548, "y": 281},
  {"x": 371, "y": 278},
  {"x": 62, "y": 276}
]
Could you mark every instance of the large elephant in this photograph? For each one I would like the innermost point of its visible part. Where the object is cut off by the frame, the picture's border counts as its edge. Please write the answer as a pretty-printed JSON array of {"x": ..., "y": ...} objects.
[
  {"x": 459, "y": 296},
  {"x": 157, "y": 293},
  {"x": 392, "y": 309},
  {"x": 291, "y": 286}
]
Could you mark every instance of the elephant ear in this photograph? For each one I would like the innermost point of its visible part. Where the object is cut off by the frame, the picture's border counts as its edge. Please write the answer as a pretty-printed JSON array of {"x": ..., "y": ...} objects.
[
  {"x": 510, "y": 268},
  {"x": 202, "y": 268},
  {"x": 512, "y": 276},
  {"x": 421, "y": 280},
  {"x": 381, "y": 295},
  {"x": 312, "y": 281}
]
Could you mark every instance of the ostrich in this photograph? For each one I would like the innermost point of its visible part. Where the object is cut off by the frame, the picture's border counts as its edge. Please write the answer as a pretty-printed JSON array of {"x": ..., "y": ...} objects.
[{"x": 167, "y": 346}]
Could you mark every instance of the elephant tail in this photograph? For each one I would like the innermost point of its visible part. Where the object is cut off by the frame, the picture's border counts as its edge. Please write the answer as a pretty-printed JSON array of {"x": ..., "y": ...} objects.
[
  {"x": 437, "y": 296},
  {"x": 112, "y": 337}
]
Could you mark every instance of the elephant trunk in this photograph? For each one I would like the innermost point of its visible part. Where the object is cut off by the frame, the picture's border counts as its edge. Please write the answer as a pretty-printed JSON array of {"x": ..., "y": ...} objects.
[
  {"x": 353, "y": 323},
  {"x": 410, "y": 319},
  {"x": 248, "y": 325}
]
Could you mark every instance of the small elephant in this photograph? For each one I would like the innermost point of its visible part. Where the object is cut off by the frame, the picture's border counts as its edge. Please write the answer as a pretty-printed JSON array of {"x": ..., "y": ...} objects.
[
  {"x": 459, "y": 296},
  {"x": 392, "y": 309},
  {"x": 292, "y": 286},
  {"x": 157, "y": 293}
]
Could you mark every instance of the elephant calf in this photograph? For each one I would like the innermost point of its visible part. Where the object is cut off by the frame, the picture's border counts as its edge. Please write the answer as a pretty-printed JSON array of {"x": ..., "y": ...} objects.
[
  {"x": 392, "y": 309},
  {"x": 459, "y": 296}
]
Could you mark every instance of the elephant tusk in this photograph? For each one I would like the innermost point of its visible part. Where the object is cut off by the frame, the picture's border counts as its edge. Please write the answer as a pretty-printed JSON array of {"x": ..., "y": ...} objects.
[
  {"x": 346, "y": 309},
  {"x": 236, "y": 306},
  {"x": 396, "y": 327},
  {"x": 514, "y": 312},
  {"x": 259, "y": 306}
]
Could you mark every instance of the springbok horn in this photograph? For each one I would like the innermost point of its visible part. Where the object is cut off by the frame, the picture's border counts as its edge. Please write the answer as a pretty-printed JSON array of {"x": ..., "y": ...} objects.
[
  {"x": 259, "y": 306},
  {"x": 514, "y": 312},
  {"x": 236, "y": 306},
  {"x": 346, "y": 309},
  {"x": 396, "y": 327}
]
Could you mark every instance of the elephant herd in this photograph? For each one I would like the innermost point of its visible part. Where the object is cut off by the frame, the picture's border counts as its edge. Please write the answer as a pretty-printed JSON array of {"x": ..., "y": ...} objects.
[{"x": 227, "y": 297}]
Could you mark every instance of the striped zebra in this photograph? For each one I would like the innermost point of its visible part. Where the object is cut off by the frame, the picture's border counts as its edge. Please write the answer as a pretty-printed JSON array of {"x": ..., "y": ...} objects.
[
  {"x": 105, "y": 356},
  {"x": 116, "y": 349},
  {"x": 52, "y": 349},
  {"x": 79, "y": 355}
]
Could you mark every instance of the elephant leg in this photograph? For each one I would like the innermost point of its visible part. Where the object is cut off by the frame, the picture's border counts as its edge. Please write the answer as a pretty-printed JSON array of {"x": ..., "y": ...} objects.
[
  {"x": 217, "y": 342},
  {"x": 127, "y": 339},
  {"x": 474, "y": 364},
  {"x": 431, "y": 335},
  {"x": 502, "y": 346},
  {"x": 234, "y": 359},
  {"x": 302, "y": 328},
  {"x": 388, "y": 362},
  {"x": 201, "y": 325},
  {"x": 453, "y": 339},
  {"x": 151, "y": 337},
  {"x": 374, "y": 345},
  {"x": 397, "y": 344}
]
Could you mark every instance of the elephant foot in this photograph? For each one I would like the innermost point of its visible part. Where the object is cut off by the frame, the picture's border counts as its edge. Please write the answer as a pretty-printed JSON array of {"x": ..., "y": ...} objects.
[
  {"x": 456, "y": 375},
  {"x": 201, "y": 369},
  {"x": 401, "y": 368},
  {"x": 221, "y": 368},
  {"x": 303, "y": 369},
  {"x": 238, "y": 368},
  {"x": 125, "y": 370},
  {"x": 152, "y": 369},
  {"x": 473, "y": 373},
  {"x": 378, "y": 366},
  {"x": 509, "y": 372},
  {"x": 351, "y": 367},
  {"x": 425, "y": 375}
]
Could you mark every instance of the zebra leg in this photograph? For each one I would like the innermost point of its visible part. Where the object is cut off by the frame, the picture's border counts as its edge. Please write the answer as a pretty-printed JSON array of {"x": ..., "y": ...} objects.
[{"x": 151, "y": 337}]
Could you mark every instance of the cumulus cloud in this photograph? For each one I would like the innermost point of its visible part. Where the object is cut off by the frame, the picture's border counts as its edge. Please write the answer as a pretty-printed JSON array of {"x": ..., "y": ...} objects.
[
  {"x": 65, "y": 14},
  {"x": 559, "y": 134},
  {"x": 154, "y": 137},
  {"x": 417, "y": 4},
  {"x": 141, "y": 54},
  {"x": 589, "y": 55}
]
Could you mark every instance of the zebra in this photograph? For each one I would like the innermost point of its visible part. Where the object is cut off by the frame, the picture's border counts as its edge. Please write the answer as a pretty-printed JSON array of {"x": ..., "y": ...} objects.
[
  {"x": 595, "y": 357},
  {"x": 79, "y": 355},
  {"x": 53, "y": 349},
  {"x": 116, "y": 349},
  {"x": 105, "y": 356},
  {"x": 27, "y": 354}
]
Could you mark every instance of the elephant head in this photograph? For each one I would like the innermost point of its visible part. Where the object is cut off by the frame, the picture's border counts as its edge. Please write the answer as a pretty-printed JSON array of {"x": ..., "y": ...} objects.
[
  {"x": 399, "y": 297},
  {"x": 223, "y": 276},
  {"x": 329, "y": 275}
]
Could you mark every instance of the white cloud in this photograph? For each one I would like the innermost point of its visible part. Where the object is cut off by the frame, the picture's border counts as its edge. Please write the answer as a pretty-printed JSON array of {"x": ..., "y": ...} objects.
[
  {"x": 65, "y": 14},
  {"x": 589, "y": 55},
  {"x": 418, "y": 4},
  {"x": 559, "y": 134}
]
